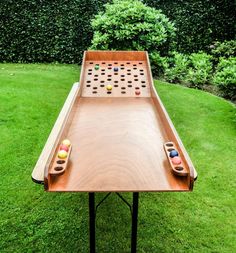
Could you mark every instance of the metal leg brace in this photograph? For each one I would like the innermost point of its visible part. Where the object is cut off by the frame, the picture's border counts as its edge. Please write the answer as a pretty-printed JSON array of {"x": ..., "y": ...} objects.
[{"x": 92, "y": 216}]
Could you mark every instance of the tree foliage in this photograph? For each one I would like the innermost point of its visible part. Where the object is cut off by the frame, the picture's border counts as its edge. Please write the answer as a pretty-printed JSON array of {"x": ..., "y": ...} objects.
[{"x": 131, "y": 25}]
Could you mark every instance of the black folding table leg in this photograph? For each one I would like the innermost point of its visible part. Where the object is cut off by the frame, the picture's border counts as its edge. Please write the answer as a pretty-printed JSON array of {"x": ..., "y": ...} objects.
[
  {"x": 92, "y": 222},
  {"x": 134, "y": 223}
]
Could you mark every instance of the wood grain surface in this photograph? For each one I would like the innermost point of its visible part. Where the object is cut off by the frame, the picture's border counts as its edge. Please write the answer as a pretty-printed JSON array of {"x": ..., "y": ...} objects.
[
  {"x": 40, "y": 171},
  {"x": 117, "y": 135},
  {"x": 117, "y": 146}
]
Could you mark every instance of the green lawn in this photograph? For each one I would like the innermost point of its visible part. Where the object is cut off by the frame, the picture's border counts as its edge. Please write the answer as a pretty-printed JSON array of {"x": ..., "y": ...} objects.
[{"x": 32, "y": 220}]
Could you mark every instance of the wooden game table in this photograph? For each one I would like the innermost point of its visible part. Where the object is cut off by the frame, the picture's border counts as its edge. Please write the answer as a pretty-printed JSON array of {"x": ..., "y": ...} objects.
[{"x": 121, "y": 137}]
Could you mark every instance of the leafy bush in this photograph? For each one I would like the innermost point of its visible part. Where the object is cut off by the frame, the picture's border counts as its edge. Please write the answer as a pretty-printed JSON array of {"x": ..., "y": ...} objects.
[
  {"x": 200, "y": 69},
  {"x": 178, "y": 68},
  {"x": 131, "y": 25},
  {"x": 159, "y": 64},
  {"x": 224, "y": 49},
  {"x": 225, "y": 77}
]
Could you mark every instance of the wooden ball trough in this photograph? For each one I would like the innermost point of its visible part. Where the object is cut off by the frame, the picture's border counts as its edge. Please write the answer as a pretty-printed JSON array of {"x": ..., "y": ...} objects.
[{"x": 119, "y": 134}]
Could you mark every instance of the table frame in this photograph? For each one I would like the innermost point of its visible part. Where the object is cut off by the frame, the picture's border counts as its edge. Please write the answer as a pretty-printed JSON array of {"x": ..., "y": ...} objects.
[
  {"x": 92, "y": 219},
  {"x": 41, "y": 172}
]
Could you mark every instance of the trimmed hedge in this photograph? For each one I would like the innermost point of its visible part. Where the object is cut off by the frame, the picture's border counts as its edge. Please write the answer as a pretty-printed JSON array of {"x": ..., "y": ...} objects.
[
  {"x": 60, "y": 30},
  {"x": 200, "y": 22},
  {"x": 46, "y": 31}
]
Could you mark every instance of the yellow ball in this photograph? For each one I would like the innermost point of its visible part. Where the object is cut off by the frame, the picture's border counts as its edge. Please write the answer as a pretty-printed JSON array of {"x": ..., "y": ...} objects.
[
  {"x": 66, "y": 142},
  {"x": 62, "y": 154},
  {"x": 109, "y": 87}
]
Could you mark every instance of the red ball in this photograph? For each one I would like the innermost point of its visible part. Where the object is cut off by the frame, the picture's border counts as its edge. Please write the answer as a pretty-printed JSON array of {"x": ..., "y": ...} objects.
[
  {"x": 176, "y": 160},
  {"x": 137, "y": 92},
  {"x": 64, "y": 147}
]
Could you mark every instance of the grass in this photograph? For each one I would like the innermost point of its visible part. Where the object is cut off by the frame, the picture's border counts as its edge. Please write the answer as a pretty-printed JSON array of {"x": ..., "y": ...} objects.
[{"x": 32, "y": 220}]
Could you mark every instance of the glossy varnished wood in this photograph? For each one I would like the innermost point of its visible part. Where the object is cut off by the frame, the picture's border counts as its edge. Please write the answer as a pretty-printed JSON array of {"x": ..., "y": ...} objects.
[
  {"x": 40, "y": 171},
  {"x": 60, "y": 164},
  {"x": 117, "y": 137},
  {"x": 119, "y": 147}
]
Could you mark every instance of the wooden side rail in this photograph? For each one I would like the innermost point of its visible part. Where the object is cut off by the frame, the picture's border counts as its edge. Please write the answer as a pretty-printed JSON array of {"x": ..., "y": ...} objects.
[
  {"x": 170, "y": 128},
  {"x": 41, "y": 167}
]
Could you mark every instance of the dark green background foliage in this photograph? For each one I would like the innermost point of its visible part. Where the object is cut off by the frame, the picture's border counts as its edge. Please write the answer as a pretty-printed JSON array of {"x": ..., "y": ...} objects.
[
  {"x": 225, "y": 49},
  {"x": 199, "y": 22},
  {"x": 45, "y": 30},
  {"x": 59, "y": 30}
]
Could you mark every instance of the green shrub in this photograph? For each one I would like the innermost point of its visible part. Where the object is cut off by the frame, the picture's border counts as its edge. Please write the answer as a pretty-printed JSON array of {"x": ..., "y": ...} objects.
[
  {"x": 159, "y": 64},
  {"x": 178, "y": 68},
  {"x": 200, "y": 70},
  {"x": 131, "y": 25},
  {"x": 225, "y": 77},
  {"x": 224, "y": 49}
]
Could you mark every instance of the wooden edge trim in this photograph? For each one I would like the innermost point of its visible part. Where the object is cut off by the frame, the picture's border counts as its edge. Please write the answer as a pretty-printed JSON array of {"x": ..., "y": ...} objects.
[
  {"x": 82, "y": 71},
  {"x": 193, "y": 173},
  {"x": 113, "y": 55},
  {"x": 40, "y": 171}
]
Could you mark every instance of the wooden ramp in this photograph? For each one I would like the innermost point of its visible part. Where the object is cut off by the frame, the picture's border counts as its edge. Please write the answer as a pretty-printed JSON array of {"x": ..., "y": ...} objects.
[{"x": 121, "y": 135}]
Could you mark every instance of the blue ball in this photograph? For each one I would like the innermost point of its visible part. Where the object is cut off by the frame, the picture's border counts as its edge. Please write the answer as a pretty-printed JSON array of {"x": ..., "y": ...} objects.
[
  {"x": 173, "y": 153},
  {"x": 116, "y": 69}
]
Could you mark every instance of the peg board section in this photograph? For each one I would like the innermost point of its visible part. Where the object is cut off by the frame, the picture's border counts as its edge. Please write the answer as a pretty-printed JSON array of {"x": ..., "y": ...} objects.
[{"x": 130, "y": 80}]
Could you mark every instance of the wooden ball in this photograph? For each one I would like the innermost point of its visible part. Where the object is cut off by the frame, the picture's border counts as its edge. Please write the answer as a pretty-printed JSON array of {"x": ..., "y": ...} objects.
[
  {"x": 66, "y": 142},
  {"x": 62, "y": 154},
  {"x": 64, "y": 147},
  {"x": 109, "y": 87},
  {"x": 176, "y": 160},
  {"x": 173, "y": 153}
]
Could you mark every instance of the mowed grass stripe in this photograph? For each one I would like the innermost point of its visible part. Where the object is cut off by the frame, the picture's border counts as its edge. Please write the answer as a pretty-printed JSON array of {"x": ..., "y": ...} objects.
[{"x": 31, "y": 96}]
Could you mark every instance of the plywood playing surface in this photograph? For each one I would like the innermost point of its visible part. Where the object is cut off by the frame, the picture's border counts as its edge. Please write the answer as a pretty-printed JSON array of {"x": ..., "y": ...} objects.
[
  {"x": 118, "y": 149},
  {"x": 117, "y": 135}
]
